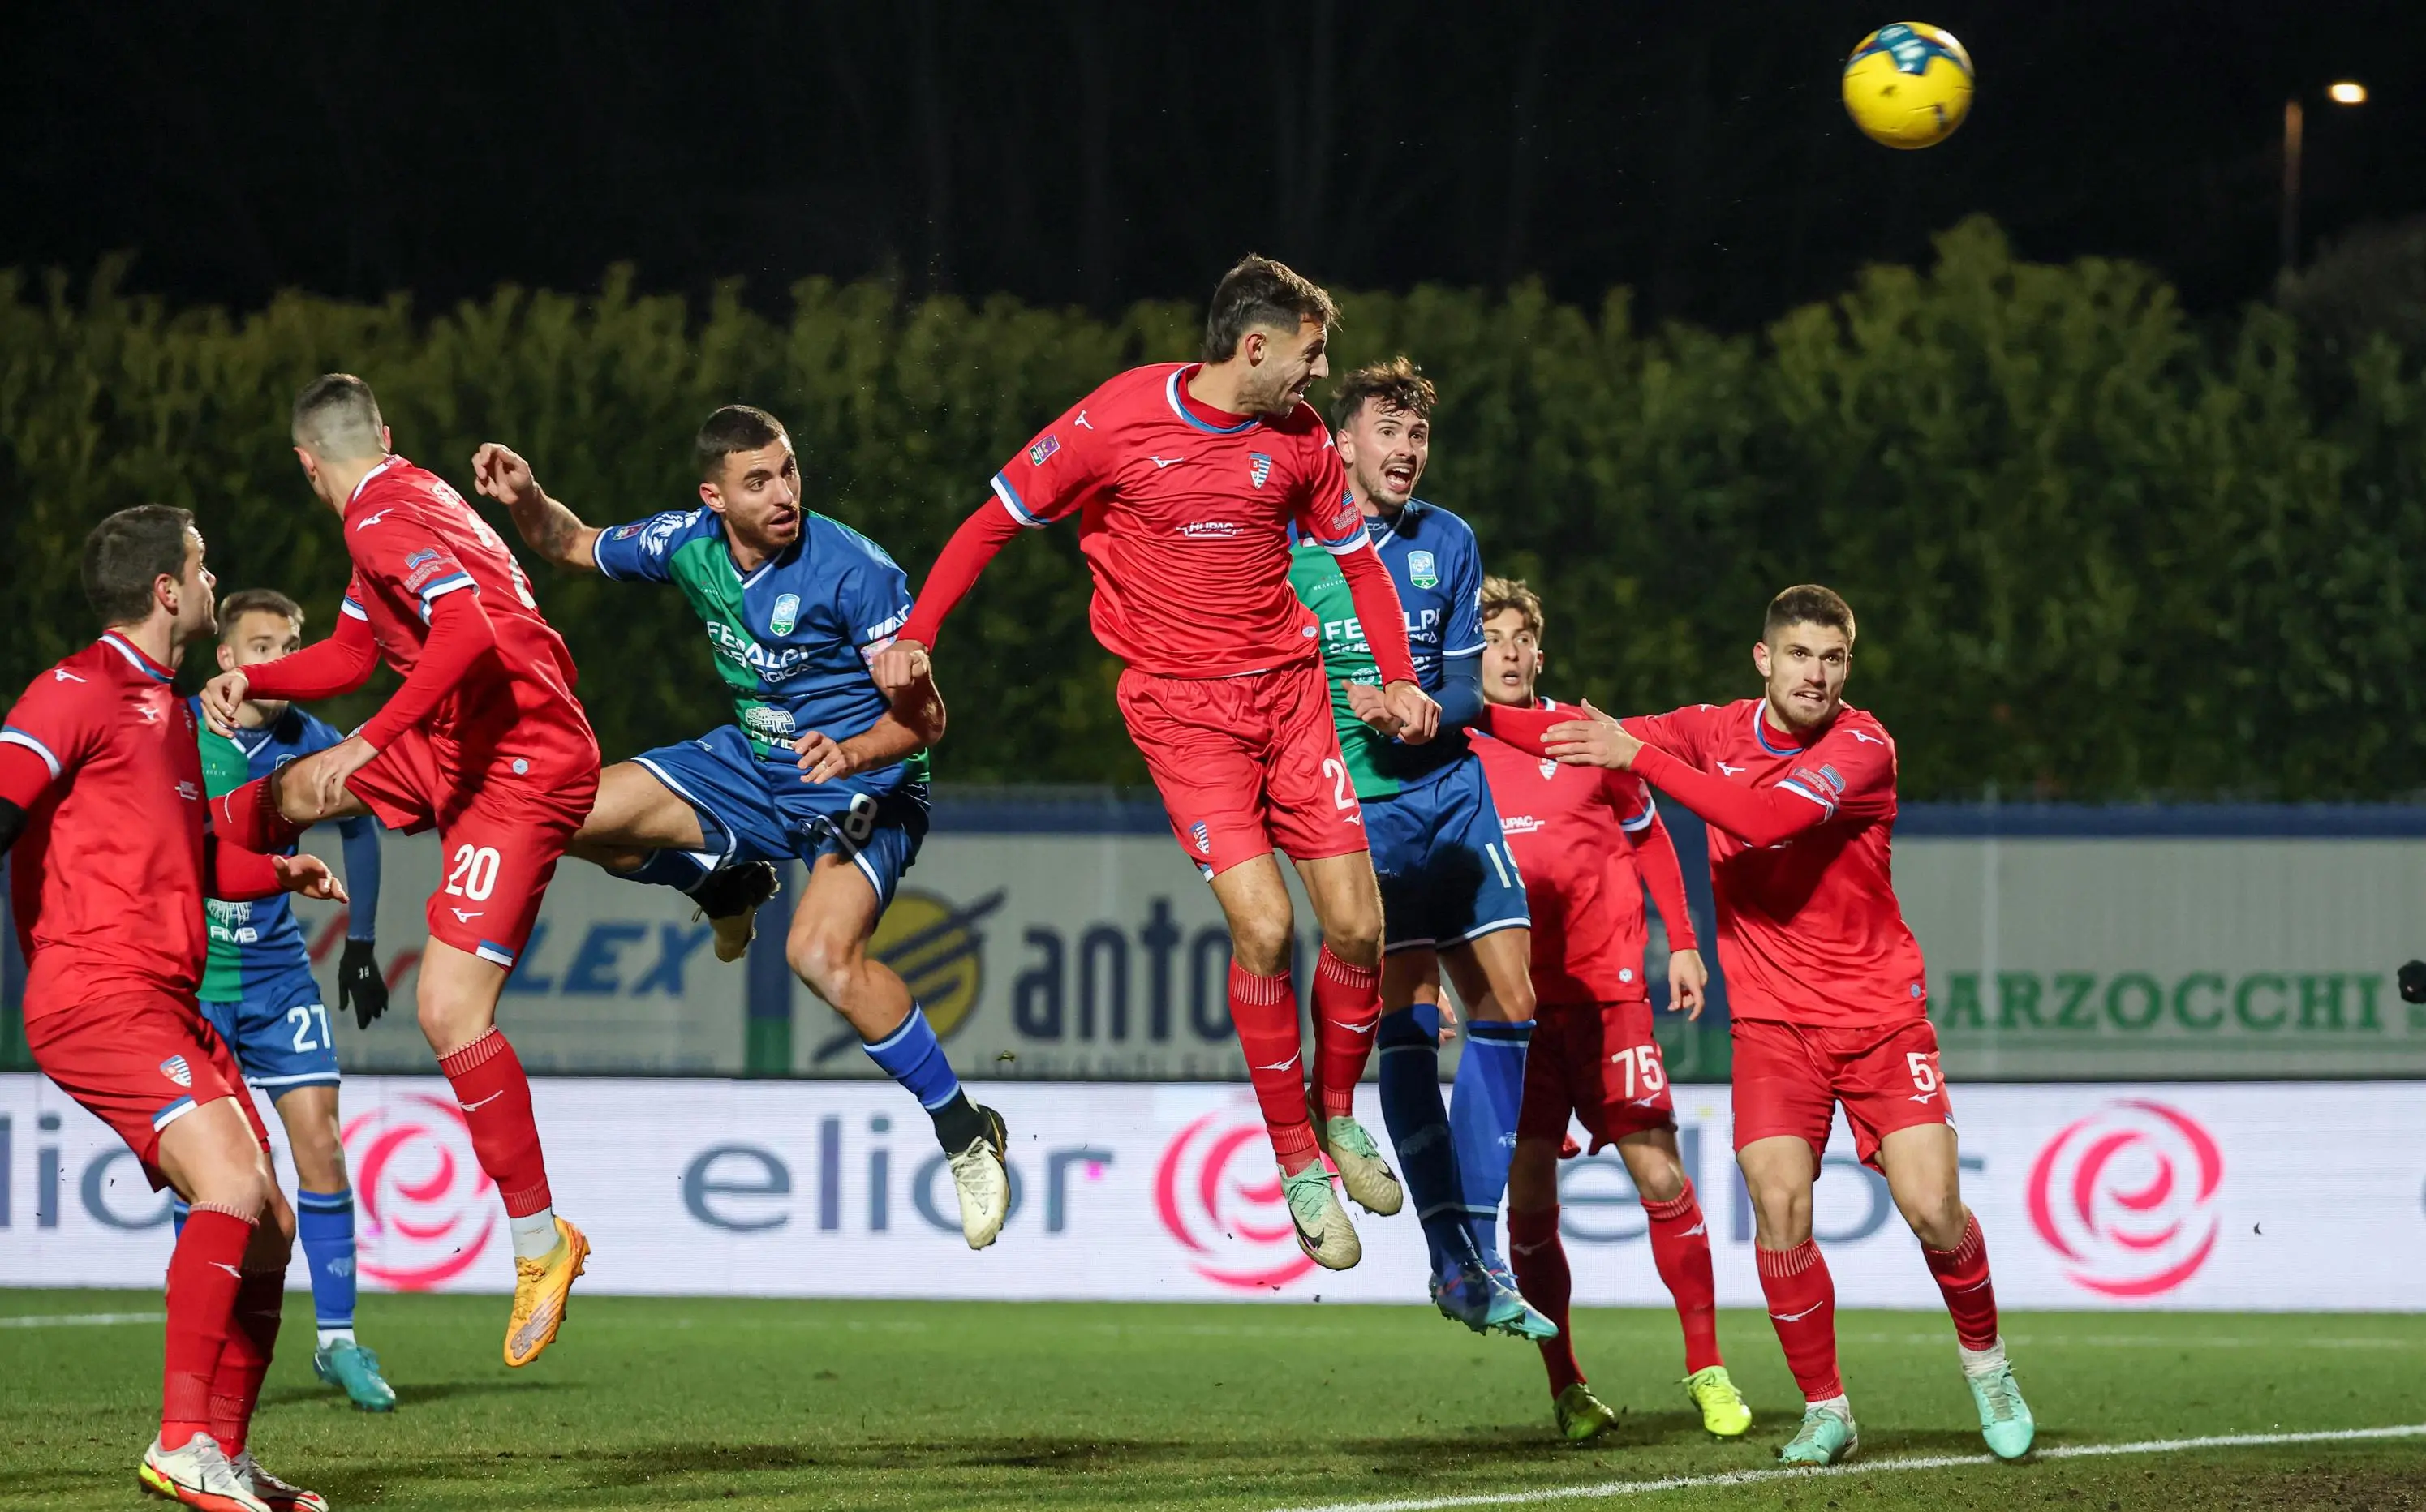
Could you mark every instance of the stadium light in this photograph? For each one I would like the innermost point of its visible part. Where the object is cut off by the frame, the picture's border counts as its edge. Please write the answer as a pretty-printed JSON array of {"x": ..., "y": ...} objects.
[{"x": 2342, "y": 92}]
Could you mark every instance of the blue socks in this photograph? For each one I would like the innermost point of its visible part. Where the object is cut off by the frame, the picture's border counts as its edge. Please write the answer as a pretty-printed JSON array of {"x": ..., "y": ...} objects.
[
  {"x": 324, "y": 1222},
  {"x": 913, "y": 1056},
  {"x": 1408, "y": 1041},
  {"x": 1482, "y": 1122},
  {"x": 666, "y": 868}
]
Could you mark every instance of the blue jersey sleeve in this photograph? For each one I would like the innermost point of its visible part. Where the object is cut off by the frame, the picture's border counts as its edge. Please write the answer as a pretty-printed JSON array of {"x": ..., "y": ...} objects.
[
  {"x": 643, "y": 550},
  {"x": 871, "y": 594},
  {"x": 1462, "y": 629}
]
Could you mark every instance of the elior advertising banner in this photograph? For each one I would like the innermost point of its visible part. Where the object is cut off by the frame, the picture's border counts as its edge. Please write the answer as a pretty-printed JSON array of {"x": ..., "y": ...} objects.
[{"x": 2238, "y": 1195}]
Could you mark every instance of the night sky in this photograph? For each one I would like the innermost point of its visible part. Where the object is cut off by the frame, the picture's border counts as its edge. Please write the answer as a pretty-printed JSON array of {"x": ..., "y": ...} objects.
[{"x": 1091, "y": 152}]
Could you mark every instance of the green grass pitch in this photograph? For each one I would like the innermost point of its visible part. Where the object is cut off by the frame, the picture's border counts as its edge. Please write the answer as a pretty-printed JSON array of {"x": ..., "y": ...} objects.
[{"x": 648, "y": 1403}]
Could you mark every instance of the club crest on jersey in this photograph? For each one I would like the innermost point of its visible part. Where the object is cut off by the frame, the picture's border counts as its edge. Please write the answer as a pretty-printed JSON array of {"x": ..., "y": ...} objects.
[
  {"x": 1422, "y": 571},
  {"x": 1203, "y": 837},
  {"x": 175, "y": 1069},
  {"x": 788, "y": 613},
  {"x": 1550, "y": 769},
  {"x": 1043, "y": 449},
  {"x": 1259, "y": 467}
]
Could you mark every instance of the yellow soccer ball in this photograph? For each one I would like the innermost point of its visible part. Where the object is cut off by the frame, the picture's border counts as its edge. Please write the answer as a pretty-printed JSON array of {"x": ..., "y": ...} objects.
[{"x": 1908, "y": 85}]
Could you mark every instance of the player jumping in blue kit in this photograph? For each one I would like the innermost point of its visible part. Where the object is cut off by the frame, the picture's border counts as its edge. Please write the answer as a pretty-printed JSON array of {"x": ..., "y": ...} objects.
[
  {"x": 818, "y": 765},
  {"x": 1450, "y": 894},
  {"x": 258, "y": 990}
]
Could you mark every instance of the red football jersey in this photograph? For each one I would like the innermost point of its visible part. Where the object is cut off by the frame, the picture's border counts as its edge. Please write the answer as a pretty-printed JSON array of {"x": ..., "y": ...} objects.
[
  {"x": 1809, "y": 930},
  {"x": 1568, "y": 830},
  {"x": 413, "y": 539},
  {"x": 107, "y": 878},
  {"x": 1186, "y": 521}
]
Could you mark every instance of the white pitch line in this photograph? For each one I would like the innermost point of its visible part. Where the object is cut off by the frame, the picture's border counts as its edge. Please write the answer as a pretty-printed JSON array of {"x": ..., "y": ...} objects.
[
  {"x": 78, "y": 1320},
  {"x": 1605, "y": 1489}
]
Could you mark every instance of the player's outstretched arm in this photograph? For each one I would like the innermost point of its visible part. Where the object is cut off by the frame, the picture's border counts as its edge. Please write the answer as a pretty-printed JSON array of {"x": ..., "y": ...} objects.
[
  {"x": 550, "y": 528},
  {"x": 336, "y": 664},
  {"x": 1376, "y": 600},
  {"x": 982, "y": 534},
  {"x": 1755, "y": 815},
  {"x": 1655, "y": 854}
]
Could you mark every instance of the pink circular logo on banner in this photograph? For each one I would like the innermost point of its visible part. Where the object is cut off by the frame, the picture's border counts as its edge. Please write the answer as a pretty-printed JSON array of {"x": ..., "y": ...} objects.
[
  {"x": 1217, "y": 1192},
  {"x": 2126, "y": 1196},
  {"x": 428, "y": 1210}
]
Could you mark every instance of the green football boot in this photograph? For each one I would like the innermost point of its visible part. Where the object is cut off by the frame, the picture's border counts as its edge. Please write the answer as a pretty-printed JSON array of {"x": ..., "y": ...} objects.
[
  {"x": 2005, "y": 1419},
  {"x": 1582, "y": 1415},
  {"x": 1722, "y": 1405},
  {"x": 1323, "y": 1231},
  {"x": 354, "y": 1370},
  {"x": 1364, "y": 1174},
  {"x": 1827, "y": 1437}
]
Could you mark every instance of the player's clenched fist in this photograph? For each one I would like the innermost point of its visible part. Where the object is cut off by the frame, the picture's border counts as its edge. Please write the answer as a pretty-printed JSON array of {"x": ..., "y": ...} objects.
[
  {"x": 1366, "y": 702},
  {"x": 221, "y": 697},
  {"x": 1418, "y": 717},
  {"x": 898, "y": 665},
  {"x": 500, "y": 474}
]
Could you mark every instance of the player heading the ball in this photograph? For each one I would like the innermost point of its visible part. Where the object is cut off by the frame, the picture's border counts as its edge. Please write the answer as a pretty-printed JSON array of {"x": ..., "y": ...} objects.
[{"x": 1186, "y": 479}]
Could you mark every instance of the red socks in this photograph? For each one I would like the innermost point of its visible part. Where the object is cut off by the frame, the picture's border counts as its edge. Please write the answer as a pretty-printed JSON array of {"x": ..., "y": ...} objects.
[
  {"x": 251, "y": 1339},
  {"x": 1540, "y": 1265},
  {"x": 248, "y": 819},
  {"x": 1803, "y": 1307},
  {"x": 1346, "y": 1007},
  {"x": 1961, "y": 1273},
  {"x": 496, "y": 1097},
  {"x": 1264, "y": 1010},
  {"x": 1680, "y": 1248},
  {"x": 205, "y": 1271}
]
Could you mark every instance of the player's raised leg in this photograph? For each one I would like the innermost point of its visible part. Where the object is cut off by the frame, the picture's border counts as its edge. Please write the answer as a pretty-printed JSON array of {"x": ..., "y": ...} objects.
[
  {"x": 642, "y": 830},
  {"x": 324, "y": 1225},
  {"x": 1923, "y": 1170},
  {"x": 1347, "y": 1011},
  {"x": 1263, "y": 1008},
  {"x": 828, "y": 947}
]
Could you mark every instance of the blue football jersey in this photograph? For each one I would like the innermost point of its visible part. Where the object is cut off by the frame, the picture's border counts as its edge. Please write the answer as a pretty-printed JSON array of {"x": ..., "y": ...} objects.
[{"x": 793, "y": 638}]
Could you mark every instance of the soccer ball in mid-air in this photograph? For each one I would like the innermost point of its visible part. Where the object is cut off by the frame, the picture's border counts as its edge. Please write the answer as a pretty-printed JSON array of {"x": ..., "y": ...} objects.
[{"x": 1908, "y": 85}]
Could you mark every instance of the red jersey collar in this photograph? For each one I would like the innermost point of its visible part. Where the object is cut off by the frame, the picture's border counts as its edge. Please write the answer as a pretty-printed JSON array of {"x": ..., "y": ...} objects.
[
  {"x": 392, "y": 460},
  {"x": 1198, "y": 413},
  {"x": 1778, "y": 742},
  {"x": 135, "y": 656}
]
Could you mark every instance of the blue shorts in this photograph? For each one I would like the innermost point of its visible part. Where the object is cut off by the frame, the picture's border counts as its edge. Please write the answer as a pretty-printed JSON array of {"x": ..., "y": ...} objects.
[
  {"x": 280, "y": 1032},
  {"x": 1446, "y": 877},
  {"x": 755, "y": 811}
]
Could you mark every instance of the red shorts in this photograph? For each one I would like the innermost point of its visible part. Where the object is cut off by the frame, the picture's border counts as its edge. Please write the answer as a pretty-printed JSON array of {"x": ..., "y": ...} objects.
[
  {"x": 1246, "y": 765},
  {"x": 1599, "y": 1062},
  {"x": 1789, "y": 1079},
  {"x": 500, "y": 833},
  {"x": 138, "y": 1062}
]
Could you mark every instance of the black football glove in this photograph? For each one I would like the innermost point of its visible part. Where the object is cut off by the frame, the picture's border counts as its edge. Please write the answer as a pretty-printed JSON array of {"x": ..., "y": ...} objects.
[
  {"x": 360, "y": 985},
  {"x": 2413, "y": 982}
]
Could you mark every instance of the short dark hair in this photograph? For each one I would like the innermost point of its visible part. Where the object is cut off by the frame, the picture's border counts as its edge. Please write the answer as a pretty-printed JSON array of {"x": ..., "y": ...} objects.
[
  {"x": 1261, "y": 292},
  {"x": 337, "y": 416},
  {"x": 243, "y": 601},
  {"x": 1501, "y": 594},
  {"x": 1397, "y": 384},
  {"x": 129, "y": 552},
  {"x": 735, "y": 428},
  {"x": 1808, "y": 604}
]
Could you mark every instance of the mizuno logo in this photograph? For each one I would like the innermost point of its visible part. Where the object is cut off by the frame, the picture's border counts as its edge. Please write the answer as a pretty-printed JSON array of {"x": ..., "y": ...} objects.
[
  {"x": 1866, "y": 740},
  {"x": 1352, "y": 1028},
  {"x": 64, "y": 675},
  {"x": 220, "y": 1264},
  {"x": 1924, "y": 1096},
  {"x": 369, "y": 520},
  {"x": 149, "y": 715},
  {"x": 475, "y": 1107},
  {"x": 1082, "y": 420},
  {"x": 1725, "y": 770},
  {"x": 1160, "y": 463},
  {"x": 1703, "y": 1227},
  {"x": 1797, "y": 1317},
  {"x": 465, "y": 916},
  {"x": 1280, "y": 1066}
]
